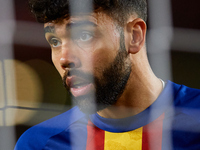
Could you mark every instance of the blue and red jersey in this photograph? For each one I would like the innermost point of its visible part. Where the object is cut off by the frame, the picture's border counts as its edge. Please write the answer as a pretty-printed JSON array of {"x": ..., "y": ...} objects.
[{"x": 171, "y": 122}]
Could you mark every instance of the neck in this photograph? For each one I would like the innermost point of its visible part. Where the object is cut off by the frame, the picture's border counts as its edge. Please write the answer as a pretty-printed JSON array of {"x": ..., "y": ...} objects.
[{"x": 142, "y": 89}]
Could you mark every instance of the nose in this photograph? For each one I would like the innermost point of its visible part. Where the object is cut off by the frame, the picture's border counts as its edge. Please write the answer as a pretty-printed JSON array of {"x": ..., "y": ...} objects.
[{"x": 69, "y": 58}]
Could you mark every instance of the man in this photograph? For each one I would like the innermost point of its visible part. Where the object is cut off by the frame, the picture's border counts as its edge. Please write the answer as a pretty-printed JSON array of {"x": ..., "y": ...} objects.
[{"x": 121, "y": 104}]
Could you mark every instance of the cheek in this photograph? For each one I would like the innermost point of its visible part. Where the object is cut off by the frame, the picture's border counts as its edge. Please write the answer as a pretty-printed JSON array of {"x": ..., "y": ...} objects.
[
  {"x": 56, "y": 62},
  {"x": 107, "y": 52},
  {"x": 102, "y": 60},
  {"x": 103, "y": 55}
]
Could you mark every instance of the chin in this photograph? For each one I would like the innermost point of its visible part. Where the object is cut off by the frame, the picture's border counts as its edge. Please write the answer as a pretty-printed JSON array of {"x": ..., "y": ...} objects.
[{"x": 88, "y": 104}]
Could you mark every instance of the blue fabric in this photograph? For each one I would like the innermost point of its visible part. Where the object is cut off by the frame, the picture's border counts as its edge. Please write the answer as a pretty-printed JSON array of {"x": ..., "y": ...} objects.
[
  {"x": 37, "y": 137},
  {"x": 163, "y": 103},
  {"x": 72, "y": 138},
  {"x": 181, "y": 125}
]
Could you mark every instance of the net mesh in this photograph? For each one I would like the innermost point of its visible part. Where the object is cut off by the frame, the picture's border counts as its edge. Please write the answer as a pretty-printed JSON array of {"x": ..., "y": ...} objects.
[{"x": 30, "y": 88}]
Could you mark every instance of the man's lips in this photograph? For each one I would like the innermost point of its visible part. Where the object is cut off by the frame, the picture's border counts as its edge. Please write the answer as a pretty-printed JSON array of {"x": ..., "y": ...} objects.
[
  {"x": 83, "y": 90},
  {"x": 78, "y": 86}
]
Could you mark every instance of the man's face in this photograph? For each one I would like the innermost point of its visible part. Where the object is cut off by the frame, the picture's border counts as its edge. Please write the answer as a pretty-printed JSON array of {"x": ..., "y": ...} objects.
[{"x": 90, "y": 55}]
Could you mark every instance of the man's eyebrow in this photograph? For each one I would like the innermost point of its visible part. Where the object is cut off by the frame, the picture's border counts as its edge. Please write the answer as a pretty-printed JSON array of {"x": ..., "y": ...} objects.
[
  {"x": 49, "y": 29},
  {"x": 80, "y": 23}
]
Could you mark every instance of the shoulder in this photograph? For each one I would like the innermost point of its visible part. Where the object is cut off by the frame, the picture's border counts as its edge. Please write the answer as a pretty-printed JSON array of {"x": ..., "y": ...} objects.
[
  {"x": 186, "y": 107},
  {"x": 184, "y": 116},
  {"x": 37, "y": 136},
  {"x": 186, "y": 97}
]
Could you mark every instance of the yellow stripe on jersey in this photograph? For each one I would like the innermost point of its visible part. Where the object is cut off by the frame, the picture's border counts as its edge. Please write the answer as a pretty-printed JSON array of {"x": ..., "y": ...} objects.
[{"x": 124, "y": 141}]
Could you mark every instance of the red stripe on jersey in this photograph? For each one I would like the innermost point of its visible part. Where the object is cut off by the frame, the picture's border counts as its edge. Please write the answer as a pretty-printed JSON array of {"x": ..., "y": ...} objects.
[
  {"x": 95, "y": 137},
  {"x": 152, "y": 134}
]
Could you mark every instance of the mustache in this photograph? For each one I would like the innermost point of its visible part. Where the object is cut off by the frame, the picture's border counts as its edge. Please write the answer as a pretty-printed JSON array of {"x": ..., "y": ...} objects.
[{"x": 77, "y": 73}]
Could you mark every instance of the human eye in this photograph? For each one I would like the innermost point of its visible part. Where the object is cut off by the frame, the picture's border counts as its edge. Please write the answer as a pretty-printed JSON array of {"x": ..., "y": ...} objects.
[
  {"x": 85, "y": 36},
  {"x": 54, "y": 42}
]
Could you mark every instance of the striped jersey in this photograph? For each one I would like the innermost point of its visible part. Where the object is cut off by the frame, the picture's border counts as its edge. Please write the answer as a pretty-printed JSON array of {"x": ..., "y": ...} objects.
[{"x": 172, "y": 122}]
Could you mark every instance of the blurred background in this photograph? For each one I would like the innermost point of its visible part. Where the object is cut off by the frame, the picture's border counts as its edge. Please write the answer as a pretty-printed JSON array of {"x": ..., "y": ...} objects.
[{"x": 31, "y": 89}]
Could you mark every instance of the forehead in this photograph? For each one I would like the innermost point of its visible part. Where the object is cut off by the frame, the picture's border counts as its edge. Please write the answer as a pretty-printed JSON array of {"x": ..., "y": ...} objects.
[{"x": 100, "y": 19}]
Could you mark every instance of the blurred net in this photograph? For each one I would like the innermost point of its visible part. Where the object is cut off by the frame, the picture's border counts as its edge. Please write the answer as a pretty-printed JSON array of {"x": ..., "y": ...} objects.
[{"x": 30, "y": 87}]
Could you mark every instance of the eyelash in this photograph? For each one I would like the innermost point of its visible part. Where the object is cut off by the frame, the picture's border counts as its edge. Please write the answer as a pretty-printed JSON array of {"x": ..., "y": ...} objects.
[
  {"x": 76, "y": 37},
  {"x": 53, "y": 40}
]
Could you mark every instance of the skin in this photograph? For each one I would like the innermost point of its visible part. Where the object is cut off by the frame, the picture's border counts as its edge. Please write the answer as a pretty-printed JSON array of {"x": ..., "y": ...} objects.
[{"x": 142, "y": 88}]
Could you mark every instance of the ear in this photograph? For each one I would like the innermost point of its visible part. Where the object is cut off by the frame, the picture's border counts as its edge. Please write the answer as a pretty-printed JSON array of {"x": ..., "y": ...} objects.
[{"x": 135, "y": 34}]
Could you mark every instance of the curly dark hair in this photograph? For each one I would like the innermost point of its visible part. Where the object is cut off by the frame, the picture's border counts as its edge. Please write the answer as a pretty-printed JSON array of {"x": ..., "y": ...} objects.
[{"x": 119, "y": 10}]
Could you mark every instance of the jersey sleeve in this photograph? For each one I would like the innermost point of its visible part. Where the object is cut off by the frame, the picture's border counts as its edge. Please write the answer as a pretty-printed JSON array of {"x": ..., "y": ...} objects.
[{"x": 37, "y": 136}]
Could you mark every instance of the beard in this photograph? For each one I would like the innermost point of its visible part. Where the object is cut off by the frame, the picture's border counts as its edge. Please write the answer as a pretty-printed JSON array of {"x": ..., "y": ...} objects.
[{"x": 109, "y": 87}]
